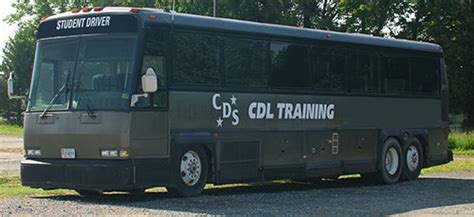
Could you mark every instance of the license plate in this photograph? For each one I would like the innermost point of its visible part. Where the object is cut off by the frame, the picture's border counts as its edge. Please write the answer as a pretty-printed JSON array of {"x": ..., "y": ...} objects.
[{"x": 68, "y": 153}]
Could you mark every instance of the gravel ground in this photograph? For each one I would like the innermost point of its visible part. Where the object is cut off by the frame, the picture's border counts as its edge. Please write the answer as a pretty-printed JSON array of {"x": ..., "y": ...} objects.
[
  {"x": 443, "y": 194},
  {"x": 10, "y": 149},
  {"x": 426, "y": 196}
]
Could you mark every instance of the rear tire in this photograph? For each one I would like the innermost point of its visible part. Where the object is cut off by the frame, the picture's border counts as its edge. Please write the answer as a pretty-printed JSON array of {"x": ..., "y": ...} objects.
[
  {"x": 391, "y": 162},
  {"x": 413, "y": 155},
  {"x": 189, "y": 172}
]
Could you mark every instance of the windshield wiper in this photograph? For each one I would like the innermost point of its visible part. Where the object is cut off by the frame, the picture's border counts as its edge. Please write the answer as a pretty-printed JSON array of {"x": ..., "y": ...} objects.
[
  {"x": 51, "y": 103},
  {"x": 86, "y": 100}
]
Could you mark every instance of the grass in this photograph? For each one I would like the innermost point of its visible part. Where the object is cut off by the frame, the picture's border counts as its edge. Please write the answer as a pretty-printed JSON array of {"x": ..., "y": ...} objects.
[
  {"x": 461, "y": 141},
  {"x": 463, "y": 152},
  {"x": 10, "y": 186},
  {"x": 458, "y": 165},
  {"x": 10, "y": 130}
]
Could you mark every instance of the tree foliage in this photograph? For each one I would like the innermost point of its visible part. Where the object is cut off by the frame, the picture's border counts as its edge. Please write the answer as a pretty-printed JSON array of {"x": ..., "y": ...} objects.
[{"x": 448, "y": 23}]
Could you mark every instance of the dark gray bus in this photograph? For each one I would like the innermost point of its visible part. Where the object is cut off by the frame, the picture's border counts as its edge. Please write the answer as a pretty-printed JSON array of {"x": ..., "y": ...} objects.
[{"x": 128, "y": 99}]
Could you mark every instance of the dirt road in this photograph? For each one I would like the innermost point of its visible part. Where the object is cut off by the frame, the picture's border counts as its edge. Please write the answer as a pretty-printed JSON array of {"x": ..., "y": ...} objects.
[{"x": 449, "y": 193}]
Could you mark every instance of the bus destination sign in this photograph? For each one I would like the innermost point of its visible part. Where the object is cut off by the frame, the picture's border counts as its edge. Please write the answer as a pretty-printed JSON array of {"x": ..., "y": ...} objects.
[
  {"x": 83, "y": 22},
  {"x": 90, "y": 24}
]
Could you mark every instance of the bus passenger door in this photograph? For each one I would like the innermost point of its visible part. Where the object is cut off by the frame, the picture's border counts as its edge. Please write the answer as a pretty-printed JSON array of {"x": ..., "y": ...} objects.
[
  {"x": 149, "y": 127},
  {"x": 149, "y": 124}
]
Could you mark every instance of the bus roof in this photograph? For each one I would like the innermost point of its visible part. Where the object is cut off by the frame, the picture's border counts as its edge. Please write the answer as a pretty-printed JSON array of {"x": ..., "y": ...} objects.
[{"x": 225, "y": 24}]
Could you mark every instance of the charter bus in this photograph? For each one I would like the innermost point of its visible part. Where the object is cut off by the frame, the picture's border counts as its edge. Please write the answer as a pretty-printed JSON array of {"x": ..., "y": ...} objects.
[{"x": 126, "y": 99}]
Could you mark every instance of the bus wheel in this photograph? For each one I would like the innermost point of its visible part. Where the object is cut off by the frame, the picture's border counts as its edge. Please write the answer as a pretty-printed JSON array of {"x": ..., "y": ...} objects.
[
  {"x": 191, "y": 173},
  {"x": 414, "y": 160},
  {"x": 391, "y": 162},
  {"x": 88, "y": 193}
]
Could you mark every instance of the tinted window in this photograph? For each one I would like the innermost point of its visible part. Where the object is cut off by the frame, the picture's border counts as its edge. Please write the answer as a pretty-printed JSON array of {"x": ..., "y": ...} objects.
[
  {"x": 154, "y": 56},
  {"x": 246, "y": 62},
  {"x": 289, "y": 65},
  {"x": 196, "y": 59},
  {"x": 365, "y": 74},
  {"x": 54, "y": 67},
  {"x": 103, "y": 77},
  {"x": 425, "y": 75},
  {"x": 328, "y": 69},
  {"x": 396, "y": 74}
]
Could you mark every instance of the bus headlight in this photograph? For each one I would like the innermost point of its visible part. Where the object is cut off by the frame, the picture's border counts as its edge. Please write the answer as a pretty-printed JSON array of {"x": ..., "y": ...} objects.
[
  {"x": 33, "y": 152},
  {"x": 105, "y": 153},
  {"x": 114, "y": 153}
]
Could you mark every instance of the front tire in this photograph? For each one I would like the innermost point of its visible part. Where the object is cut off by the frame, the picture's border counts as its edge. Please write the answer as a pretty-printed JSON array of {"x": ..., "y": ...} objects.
[
  {"x": 190, "y": 172},
  {"x": 391, "y": 162},
  {"x": 413, "y": 160}
]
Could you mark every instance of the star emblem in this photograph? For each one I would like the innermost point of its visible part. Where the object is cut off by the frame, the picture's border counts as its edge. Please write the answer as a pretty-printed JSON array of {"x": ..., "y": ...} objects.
[
  {"x": 219, "y": 122},
  {"x": 233, "y": 100}
]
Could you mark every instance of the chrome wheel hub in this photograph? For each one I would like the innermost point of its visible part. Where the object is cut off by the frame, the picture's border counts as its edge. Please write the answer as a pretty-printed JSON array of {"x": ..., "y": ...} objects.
[
  {"x": 412, "y": 158},
  {"x": 391, "y": 161},
  {"x": 190, "y": 169}
]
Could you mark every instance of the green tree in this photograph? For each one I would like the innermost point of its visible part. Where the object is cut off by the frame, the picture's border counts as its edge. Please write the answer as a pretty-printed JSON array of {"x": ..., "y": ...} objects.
[
  {"x": 18, "y": 55},
  {"x": 378, "y": 18},
  {"x": 450, "y": 24}
]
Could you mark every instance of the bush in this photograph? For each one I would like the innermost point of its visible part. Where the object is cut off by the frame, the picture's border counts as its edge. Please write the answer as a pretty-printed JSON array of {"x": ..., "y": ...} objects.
[{"x": 461, "y": 141}]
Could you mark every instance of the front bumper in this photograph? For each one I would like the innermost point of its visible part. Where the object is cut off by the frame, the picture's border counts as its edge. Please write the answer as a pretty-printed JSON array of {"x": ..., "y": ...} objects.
[{"x": 106, "y": 175}]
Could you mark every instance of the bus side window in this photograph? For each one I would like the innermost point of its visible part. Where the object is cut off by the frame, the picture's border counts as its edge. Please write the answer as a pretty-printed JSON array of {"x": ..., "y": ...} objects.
[
  {"x": 365, "y": 74},
  {"x": 197, "y": 59},
  {"x": 246, "y": 62},
  {"x": 290, "y": 67},
  {"x": 396, "y": 74},
  {"x": 154, "y": 56},
  {"x": 328, "y": 69},
  {"x": 425, "y": 76}
]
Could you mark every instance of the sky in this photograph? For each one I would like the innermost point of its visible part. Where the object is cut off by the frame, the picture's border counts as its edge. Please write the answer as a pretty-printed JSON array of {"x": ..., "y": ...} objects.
[{"x": 6, "y": 30}]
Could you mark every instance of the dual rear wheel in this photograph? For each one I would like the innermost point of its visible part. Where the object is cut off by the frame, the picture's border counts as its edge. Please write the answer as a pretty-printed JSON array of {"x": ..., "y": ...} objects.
[{"x": 397, "y": 162}]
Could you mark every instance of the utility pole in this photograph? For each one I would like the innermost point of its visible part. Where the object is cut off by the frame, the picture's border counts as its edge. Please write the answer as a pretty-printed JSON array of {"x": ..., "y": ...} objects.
[
  {"x": 174, "y": 5},
  {"x": 214, "y": 8}
]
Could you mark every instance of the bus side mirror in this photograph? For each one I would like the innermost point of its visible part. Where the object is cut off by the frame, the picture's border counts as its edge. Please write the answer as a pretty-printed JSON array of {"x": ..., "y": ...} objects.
[
  {"x": 11, "y": 88},
  {"x": 149, "y": 81}
]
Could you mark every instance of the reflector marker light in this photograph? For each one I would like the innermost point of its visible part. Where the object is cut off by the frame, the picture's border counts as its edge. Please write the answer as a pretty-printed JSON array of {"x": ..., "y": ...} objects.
[
  {"x": 98, "y": 9},
  {"x": 75, "y": 10},
  {"x": 135, "y": 10}
]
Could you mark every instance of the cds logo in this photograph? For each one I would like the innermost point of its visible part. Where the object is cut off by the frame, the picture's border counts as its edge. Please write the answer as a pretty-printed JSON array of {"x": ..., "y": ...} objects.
[{"x": 229, "y": 109}]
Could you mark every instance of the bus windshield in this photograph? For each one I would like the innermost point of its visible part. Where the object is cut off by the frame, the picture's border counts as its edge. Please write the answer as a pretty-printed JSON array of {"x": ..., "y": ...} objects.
[{"x": 83, "y": 73}]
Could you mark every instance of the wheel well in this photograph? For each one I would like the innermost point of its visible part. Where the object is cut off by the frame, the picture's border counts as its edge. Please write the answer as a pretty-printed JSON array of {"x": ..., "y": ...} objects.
[
  {"x": 210, "y": 158},
  {"x": 424, "y": 146}
]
